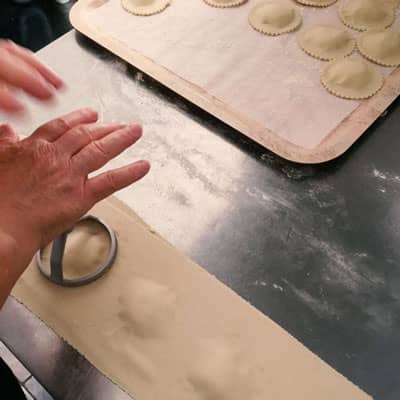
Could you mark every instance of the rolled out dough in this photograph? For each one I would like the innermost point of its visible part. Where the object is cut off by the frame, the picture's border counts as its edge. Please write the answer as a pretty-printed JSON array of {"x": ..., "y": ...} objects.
[
  {"x": 145, "y": 7},
  {"x": 326, "y": 42},
  {"x": 163, "y": 328},
  {"x": 351, "y": 78},
  {"x": 273, "y": 17},
  {"x": 381, "y": 47}
]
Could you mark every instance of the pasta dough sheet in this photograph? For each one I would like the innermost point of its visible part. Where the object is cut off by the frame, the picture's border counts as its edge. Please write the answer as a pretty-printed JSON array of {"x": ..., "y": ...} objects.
[
  {"x": 161, "y": 327},
  {"x": 268, "y": 79}
]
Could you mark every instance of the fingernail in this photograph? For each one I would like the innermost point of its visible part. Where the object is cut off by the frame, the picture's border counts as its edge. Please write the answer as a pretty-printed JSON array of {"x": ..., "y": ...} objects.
[
  {"x": 47, "y": 90},
  {"x": 90, "y": 111},
  {"x": 61, "y": 87},
  {"x": 135, "y": 129},
  {"x": 144, "y": 164},
  {"x": 60, "y": 83}
]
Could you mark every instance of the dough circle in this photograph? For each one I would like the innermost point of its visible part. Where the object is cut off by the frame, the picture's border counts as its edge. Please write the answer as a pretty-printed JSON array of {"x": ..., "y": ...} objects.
[
  {"x": 381, "y": 46},
  {"x": 326, "y": 42},
  {"x": 317, "y": 3},
  {"x": 351, "y": 78},
  {"x": 87, "y": 247},
  {"x": 225, "y": 3},
  {"x": 145, "y": 7},
  {"x": 274, "y": 18},
  {"x": 363, "y": 15}
]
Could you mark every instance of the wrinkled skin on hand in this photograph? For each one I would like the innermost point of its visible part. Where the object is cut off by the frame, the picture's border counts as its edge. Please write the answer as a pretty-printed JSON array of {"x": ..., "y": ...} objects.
[{"x": 44, "y": 180}]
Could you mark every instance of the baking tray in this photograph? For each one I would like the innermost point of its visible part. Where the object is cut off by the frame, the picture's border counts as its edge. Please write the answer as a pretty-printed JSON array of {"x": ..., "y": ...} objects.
[{"x": 265, "y": 87}]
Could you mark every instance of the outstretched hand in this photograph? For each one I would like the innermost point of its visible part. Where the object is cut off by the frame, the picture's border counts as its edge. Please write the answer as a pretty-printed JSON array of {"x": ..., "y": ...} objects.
[
  {"x": 44, "y": 181},
  {"x": 21, "y": 70}
]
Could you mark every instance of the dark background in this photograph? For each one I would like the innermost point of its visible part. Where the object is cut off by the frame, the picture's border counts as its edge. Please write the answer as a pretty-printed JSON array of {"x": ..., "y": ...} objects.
[{"x": 36, "y": 24}]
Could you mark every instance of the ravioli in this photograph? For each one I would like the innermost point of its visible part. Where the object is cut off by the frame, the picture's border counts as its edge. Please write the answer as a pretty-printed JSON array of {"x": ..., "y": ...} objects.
[
  {"x": 326, "y": 42},
  {"x": 381, "y": 46},
  {"x": 317, "y": 3},
  {"x": 363, "y": 15},
  {"x": 145, "y": 7},
  {"x": 225, "y": 3},
  {"x": 274, "y": 17},
  {"x": 351, "y": 78}
]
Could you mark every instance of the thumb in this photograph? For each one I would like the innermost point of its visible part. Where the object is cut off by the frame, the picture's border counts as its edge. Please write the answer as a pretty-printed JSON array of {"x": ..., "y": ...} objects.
[{"x": 8, "y": 134}]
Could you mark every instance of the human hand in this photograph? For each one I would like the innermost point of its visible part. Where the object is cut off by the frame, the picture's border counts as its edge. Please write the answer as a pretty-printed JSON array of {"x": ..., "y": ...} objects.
[
  {"x": 44, "y": 180},
  {"x": 21, "y": 70}
]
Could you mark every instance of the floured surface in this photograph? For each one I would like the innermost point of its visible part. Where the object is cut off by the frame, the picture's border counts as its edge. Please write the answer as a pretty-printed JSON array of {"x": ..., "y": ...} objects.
[
  {"x": 268, "y": 79},
  {"x": 162, "y": 327}
]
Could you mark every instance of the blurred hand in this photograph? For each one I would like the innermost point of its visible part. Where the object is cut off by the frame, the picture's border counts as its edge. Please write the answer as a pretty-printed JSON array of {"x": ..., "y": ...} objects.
[
  {"x": 44, "y": 184},
  {"x": 21, "y": 70}
]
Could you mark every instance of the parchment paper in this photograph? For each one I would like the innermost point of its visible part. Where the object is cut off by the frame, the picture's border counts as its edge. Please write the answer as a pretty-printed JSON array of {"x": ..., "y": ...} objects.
[
  {"x": 269, "y": 79},
  {"x": 163, "y": 328}
]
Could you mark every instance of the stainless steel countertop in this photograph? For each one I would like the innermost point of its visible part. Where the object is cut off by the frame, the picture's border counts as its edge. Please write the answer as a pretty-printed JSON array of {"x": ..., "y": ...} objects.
[{"x": 316, "y": 248}]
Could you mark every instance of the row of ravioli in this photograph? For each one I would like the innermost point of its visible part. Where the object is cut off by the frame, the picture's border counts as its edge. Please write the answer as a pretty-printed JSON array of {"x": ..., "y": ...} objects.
[{"x": 344, "y": 76}]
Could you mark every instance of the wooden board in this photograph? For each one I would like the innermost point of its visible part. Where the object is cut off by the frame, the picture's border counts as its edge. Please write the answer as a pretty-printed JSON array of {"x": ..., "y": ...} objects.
[{"x": 302, "y": 122}]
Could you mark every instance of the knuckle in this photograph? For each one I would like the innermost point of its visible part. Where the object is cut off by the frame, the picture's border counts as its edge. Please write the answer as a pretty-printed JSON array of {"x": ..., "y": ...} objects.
[
  {"x": 112, "y": 184},
  {"x": 84, "y": 130},
  {"x": 54, "y": 126},
  {"x": 74, "y": 189},
  {"x": 9, "y": 153},
  {"x": 59, "y": 124},
  {"x": 100, "y": 150},
  {"x": 87, "y": 112},
  {"x": 42, "y": 150},
  {"x": 43, "y": 154},
  {"x": 67, "y": 188}
]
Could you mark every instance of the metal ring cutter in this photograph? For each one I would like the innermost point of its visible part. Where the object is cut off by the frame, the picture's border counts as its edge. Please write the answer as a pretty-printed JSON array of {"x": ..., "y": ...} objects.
[{"x": 56, "y": 274}]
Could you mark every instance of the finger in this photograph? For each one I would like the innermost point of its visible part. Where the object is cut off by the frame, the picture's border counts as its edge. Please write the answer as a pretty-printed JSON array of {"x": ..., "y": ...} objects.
[
  {"x": 8, "y": 135},
  {"x": 8, "y": 101},
  {"x": 77, "y": 138},
  {"x": 107, "y": 183},
  {"x": 26, "y": 55},
  {"x": 52, "y": 130},
  {"x": 100, "y": 152},
  {"x": 17, "y": 73}
]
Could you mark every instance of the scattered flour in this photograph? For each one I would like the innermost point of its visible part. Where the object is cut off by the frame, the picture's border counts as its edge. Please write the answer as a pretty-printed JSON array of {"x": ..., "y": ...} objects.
[
  {"x": 277, "y": 287},
  {"x": 320, "y": 306},
  {"x": 273, "y": 199},
  {"x": 385, "y": 176}
]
